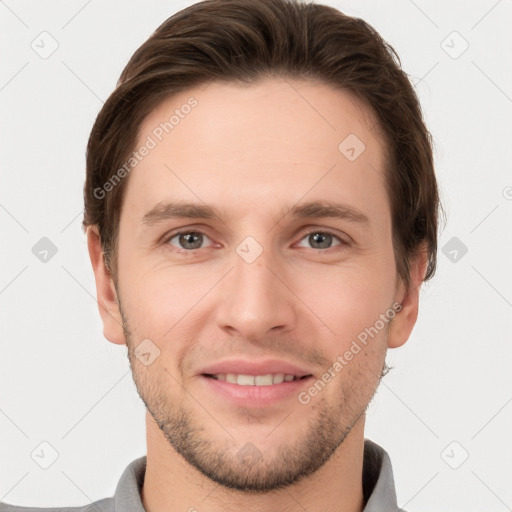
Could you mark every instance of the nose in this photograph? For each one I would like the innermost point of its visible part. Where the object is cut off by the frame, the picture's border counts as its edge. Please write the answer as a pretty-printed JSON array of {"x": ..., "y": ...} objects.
[{"x": 256, "y": 299}]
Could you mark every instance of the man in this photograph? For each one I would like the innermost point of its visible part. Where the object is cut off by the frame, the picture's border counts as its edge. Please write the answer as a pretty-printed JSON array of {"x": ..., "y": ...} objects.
[{"x": 261, "y": 210}]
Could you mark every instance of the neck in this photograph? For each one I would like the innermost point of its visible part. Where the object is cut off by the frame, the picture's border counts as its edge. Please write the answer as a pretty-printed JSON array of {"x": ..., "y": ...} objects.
[{"x": 171, "y": 483}]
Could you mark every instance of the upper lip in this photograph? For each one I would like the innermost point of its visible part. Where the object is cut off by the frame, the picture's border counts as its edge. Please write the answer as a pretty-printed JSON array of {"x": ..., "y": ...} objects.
[{"x": 254, "y": 367}]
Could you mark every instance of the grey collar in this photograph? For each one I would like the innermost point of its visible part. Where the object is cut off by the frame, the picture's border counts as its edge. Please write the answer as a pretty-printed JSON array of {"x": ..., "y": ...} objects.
[{"x": 378, "y": 484}]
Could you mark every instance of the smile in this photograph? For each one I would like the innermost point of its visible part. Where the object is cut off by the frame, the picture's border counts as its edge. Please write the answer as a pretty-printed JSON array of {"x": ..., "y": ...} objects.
[{"x": 255, "y": 380}]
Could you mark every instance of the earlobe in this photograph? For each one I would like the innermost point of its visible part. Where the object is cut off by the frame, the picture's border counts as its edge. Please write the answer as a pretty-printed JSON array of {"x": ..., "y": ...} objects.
[
  {"x": 403, "y": 323},
  {"x": 105, "y": 290}
]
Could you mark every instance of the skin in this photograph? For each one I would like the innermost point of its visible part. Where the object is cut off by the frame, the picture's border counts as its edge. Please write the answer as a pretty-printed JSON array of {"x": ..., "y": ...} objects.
[{"x": 253, "y": 152}]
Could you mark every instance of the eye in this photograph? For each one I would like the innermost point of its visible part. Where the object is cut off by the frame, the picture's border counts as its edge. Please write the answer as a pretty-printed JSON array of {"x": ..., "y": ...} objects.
[
  {"x": 188, "y": 240},
  {"x": 193, "y": 240},
  {"x": 321, "y": 240}
]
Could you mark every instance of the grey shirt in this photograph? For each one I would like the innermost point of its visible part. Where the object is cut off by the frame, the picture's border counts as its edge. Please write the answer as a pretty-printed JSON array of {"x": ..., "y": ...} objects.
[{"x": 378, "y": 488}]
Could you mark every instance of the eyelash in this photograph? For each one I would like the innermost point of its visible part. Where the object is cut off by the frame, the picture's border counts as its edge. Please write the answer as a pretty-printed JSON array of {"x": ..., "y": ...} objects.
[{"x": 182, "y": 251}]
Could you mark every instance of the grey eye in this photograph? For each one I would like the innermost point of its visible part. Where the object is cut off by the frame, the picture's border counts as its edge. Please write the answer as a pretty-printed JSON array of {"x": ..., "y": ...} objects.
[
  {"x": 320, "y": 240},
  {"x": 189, "y": 241}
]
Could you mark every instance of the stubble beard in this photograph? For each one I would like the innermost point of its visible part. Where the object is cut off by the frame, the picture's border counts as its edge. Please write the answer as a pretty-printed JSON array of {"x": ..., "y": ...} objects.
[{"x": 244, "y": 467}]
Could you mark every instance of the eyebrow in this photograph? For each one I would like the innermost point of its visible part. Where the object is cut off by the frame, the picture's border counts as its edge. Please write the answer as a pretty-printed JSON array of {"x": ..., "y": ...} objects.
[{"x": 310, "y": 210}]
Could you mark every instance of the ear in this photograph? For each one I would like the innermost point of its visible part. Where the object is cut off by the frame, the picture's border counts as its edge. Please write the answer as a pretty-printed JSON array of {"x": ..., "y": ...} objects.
[
  {"x": 105, "y": 290},
  {"x": 403, "y": 323}
]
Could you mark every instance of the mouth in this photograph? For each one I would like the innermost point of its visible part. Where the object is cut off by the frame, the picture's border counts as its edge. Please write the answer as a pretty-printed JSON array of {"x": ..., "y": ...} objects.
[
  {"x": 254, "y": 382},
  {"x": 268, "y": 379},
  {"x": 255, "y": 390}
]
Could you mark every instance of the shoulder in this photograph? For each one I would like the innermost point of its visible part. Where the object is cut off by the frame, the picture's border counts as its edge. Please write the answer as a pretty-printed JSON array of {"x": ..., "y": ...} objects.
[
  {"x": 105, "y": 505},
  {"x": 127, "y": 495}
]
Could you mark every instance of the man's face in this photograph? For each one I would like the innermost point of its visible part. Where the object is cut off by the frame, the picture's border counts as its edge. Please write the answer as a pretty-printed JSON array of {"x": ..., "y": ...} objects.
[{"x": 260, "y": 289}]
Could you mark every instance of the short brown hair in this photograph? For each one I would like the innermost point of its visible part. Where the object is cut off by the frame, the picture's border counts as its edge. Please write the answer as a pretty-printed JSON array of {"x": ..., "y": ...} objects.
[{"x": 245, "y": 41}]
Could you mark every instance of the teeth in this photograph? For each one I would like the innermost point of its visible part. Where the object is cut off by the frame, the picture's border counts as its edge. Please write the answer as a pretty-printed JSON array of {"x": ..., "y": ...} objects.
[
  {"x": 245, "y": 380},
  {"x": 279, "y": 377},
  {"x": 254, "y": 380}
]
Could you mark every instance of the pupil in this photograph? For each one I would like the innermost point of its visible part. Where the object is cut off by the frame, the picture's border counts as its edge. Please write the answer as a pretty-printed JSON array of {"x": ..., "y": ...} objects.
[
  {"x": 191, "y": 240},
  {"x": 322, "y": 240}
]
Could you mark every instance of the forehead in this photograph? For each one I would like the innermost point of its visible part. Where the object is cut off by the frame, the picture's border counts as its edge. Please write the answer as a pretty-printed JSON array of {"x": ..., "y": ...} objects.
[
  {"x": 227, "y": 113},
  {"x": 274, "y": 138}
]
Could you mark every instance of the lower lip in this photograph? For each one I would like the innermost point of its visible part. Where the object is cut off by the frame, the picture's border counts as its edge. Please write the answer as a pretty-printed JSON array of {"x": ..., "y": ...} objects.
[{"x": 257, "y": 396}]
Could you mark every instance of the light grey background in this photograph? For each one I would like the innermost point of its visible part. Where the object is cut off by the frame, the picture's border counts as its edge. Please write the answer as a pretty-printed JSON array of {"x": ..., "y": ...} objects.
[{"x": 450, "y": 394}]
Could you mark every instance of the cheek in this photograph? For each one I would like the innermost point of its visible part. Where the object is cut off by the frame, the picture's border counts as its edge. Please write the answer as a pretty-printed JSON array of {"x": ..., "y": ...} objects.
[
  {"x": 162, "y": 302},
  {"x": 347, "y": 299}
]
